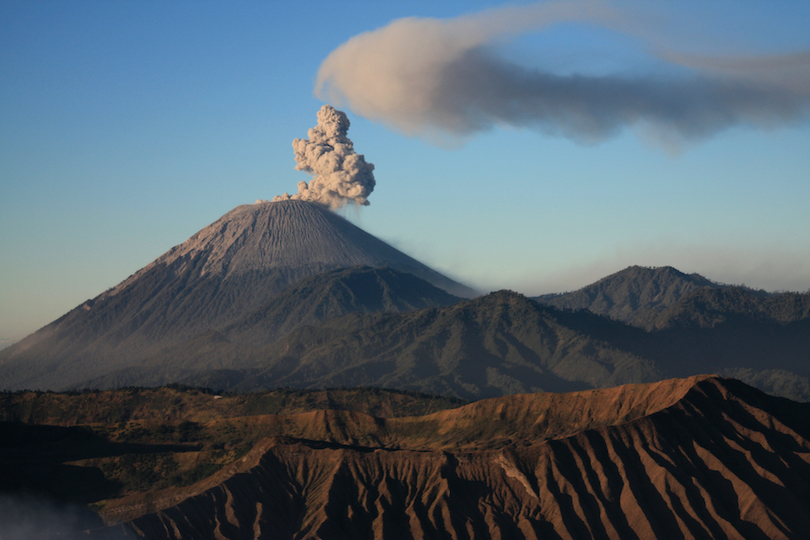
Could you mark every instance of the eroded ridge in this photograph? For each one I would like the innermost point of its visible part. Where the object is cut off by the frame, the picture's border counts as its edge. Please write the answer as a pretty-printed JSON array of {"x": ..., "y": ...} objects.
[{"x": 698, "y": 457}]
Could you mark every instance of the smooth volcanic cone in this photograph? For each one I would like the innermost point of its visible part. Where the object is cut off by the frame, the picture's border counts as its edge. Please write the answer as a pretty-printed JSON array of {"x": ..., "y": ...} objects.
[{"x": 225, "y": 271}]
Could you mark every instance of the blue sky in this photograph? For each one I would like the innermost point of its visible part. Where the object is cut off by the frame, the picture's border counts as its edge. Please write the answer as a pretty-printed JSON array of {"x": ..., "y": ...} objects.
[{"x": 125, "y": 127}]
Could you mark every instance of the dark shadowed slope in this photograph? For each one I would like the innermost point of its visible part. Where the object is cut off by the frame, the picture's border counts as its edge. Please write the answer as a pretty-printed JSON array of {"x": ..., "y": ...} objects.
[
  {"x": 499, "y": 344},
  {"x": 224, "y": 272},
  {"x": 763, "y": 340},
  {"x": 710, "y": 307},
  {"x": 660, "y": 298},
  {"x": 308, "y": 302},
  {"x": 698, "y": 326},
  {"x": 333, "y": 294},
  {"x": 696, "y": 458},
  {"x": 502, "y": 343}
]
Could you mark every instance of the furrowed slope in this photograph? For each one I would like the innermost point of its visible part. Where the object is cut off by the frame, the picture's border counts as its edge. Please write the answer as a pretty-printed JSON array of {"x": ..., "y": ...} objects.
[
  {"x": 334, "y": 294},
  {"x": 697, "y": 458}
]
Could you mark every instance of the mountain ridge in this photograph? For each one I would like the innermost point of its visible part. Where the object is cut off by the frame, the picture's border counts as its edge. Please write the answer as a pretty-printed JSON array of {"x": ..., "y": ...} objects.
[
  {"x": 709, "y": 307},
  {"x": 497, "y": 344},
  {"x": 501, "y": 343},
  {"x": 336, "y": 293},
  {"x": 696, "y": 457},
  {"x": 672, "y": 471}
]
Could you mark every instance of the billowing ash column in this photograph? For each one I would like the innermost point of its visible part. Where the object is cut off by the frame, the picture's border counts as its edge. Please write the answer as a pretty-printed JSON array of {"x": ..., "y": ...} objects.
[{"x": 339, "y": 174}]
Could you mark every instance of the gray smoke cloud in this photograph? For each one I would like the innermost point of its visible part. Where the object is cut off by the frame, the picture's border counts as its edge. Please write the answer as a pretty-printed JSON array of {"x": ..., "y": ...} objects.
[
  {"x": 339, "y": 174},
  {"x": 430, "y": 76},
  {"x": 25, "y": 517}
]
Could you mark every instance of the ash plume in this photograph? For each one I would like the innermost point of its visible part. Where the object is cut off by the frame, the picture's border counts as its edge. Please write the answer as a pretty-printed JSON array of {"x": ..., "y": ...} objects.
[
  {"x": 445, "y": 77},
  {"x": 339, "y": 174}
]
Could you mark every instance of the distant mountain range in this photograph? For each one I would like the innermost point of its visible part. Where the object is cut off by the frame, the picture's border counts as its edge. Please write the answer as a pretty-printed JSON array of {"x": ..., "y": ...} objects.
[
  {"x": 289, "y": 294},
  {"x": 502, "y": 343},
  {"x": 498, "y": 344},
  {"x": 710, "y": 307}
]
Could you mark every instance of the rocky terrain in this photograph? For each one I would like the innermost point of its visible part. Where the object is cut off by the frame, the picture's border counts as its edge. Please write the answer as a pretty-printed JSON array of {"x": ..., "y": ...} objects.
[
  {"x": 702, "y": 457},
  {"x": 677, "y": 459}
]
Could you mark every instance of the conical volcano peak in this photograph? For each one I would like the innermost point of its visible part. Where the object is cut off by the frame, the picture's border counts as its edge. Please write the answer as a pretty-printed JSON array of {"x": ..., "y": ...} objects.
[
  {"x": 291, "y": 235},
  {"x": 222, "y": 273},
  {"x": 284, "y": 234}
]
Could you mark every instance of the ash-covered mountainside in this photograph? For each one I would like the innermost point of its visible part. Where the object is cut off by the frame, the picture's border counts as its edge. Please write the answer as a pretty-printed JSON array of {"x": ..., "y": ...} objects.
[
  {"x": 295, "y": 236},
  {"x": 223, "y": 273}
]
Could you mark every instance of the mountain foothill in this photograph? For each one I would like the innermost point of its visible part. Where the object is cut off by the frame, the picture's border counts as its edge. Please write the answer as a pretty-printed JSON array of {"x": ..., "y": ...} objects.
[{"x": 285, "y": 374}]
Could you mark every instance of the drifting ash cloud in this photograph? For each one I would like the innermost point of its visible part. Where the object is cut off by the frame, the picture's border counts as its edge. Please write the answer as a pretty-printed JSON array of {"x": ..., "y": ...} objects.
[
  {"x": 429, "y": 76},
  {"x": 340, "y": 175}
]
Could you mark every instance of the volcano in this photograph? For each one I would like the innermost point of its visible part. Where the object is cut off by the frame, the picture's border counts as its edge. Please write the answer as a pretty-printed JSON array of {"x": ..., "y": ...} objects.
[{"x": 223, "y": 272}]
